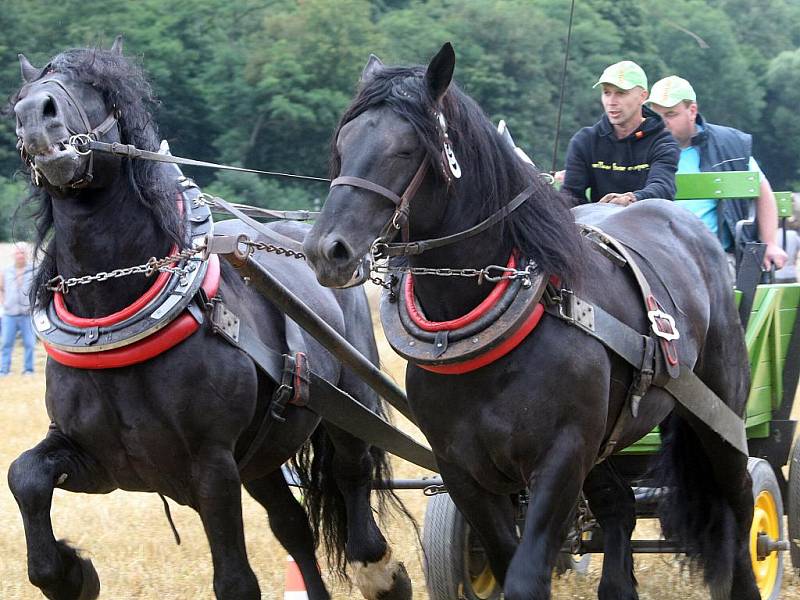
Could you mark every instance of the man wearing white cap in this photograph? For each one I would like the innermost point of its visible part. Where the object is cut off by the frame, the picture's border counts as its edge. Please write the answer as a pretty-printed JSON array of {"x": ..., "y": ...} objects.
[
  {"x": 708, "y": 147},
  {"x": 628, "y": 155}
]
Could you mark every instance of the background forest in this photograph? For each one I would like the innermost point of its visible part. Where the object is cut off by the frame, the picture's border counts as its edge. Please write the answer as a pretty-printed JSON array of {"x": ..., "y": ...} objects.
[{"x": 261, "y": 83}]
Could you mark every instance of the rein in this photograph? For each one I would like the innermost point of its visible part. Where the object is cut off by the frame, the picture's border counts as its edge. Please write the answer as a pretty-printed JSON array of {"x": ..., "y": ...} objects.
[{"x": 86, "y": 144}]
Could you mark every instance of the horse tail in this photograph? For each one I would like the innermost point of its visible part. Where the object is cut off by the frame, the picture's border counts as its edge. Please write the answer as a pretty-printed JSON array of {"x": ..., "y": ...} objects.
[
  {"x": 694, "y": 511},
  {"x": 325, "y": 503}
]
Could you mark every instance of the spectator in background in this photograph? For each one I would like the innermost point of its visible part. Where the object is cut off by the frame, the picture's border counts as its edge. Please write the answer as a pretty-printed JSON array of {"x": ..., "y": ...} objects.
[
  {"x": 628, "y": 155},
  {"x": 708, "y": 147},
  {"x": 15, "y": 285}
]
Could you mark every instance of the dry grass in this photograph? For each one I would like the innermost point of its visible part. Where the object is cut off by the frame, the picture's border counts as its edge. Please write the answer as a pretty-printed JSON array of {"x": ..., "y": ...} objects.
[{"x": 130, "y": 543}]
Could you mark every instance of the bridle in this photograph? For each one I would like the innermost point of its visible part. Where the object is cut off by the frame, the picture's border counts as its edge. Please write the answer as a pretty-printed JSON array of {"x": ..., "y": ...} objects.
[
  {"x": 77, "y": 139},
  {"x": 384, "y": 246},
  {"x": 399, "y": 220}
]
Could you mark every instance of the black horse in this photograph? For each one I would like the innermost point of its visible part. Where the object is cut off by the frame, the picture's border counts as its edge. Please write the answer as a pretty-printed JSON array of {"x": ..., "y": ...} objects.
[
  {"x": 179, "y": 423},
  {"x": 538, "y": 417}
]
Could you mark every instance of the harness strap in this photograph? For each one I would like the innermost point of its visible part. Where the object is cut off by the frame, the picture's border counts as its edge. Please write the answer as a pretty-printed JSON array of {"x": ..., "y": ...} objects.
[
  {"x": 690, "y": 393},
  {"x": 399, "y": 220},
  {"x": 329, "y": 402},
  {"x": 662, "y": 324},
  {"x": 415, "y": 248},
  {"x": 273, "y": 236}
]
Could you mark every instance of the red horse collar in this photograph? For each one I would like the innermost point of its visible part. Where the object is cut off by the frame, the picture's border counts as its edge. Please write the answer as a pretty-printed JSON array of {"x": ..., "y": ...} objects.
[{"x": 491, "y": 330}]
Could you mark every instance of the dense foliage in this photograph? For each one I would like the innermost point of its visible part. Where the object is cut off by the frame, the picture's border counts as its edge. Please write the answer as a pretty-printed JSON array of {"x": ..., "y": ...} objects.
[{"x": 261, "y": 83}]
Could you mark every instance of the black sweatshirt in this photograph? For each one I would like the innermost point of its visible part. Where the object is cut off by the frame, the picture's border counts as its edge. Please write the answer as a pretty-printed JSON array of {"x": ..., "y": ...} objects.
[{"x": 644, "y": 162}]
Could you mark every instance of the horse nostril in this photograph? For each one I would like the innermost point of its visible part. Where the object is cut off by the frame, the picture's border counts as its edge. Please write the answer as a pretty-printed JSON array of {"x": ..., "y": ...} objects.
[
  {"x": 338, "y": 251},
  {"x": 49, "y": 108}
]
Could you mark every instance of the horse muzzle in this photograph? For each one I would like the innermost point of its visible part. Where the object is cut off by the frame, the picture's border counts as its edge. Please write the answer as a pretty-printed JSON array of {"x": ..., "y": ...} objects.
[{"x": 60, "y": 164}]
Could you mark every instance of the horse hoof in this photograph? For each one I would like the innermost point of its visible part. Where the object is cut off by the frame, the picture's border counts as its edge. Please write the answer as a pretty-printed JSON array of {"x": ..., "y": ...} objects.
[
  {"x": 386, "y": 579},
  {"x": 90, "y": 586},
  {"x": 401, "y": 586}
]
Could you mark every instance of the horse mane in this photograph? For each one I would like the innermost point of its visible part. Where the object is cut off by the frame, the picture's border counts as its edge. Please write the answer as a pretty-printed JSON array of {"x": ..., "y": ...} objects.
[
  {"x": 125, "y": 88},
  {"x": 543, "y": 228}
]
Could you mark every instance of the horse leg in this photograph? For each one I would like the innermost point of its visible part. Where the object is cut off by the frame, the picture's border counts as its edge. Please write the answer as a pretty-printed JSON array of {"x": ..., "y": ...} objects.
[
  {"x": 54, "y": 566},
  {"x": 614, "y": 506},
  {"x": 217, "y": 497},
  {"x": 554, "y": 492},
  {"x": 376, "y": 572},
  {"x": 289, "y": 523},
  {"x": 491, "y": 516}
]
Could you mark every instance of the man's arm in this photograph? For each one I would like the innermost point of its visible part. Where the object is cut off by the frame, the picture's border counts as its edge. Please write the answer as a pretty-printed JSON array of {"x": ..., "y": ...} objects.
[
  {"x": 767, "y": 217},
  {"x": 661, "y": 177},
  {"x": 576, "y": 175}
]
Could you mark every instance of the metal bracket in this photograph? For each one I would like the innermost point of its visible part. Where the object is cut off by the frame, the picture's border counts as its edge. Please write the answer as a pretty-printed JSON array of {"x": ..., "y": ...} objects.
[
  {"x": 224, "y": 322},
  {"x": 578, "y": 311}
]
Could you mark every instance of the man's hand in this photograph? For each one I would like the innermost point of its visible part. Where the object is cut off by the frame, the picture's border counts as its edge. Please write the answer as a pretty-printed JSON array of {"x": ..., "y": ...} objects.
[
  {"x": 776, "y": 255},
  {"x": 621, "y": 199}
]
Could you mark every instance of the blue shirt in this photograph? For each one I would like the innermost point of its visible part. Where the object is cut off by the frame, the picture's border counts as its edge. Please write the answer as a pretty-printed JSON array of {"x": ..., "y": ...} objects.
[{"x": 705, "y": 209}]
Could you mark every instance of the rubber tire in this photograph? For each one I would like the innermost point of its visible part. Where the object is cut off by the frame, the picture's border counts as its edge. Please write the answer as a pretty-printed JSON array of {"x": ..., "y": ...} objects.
[
  {"x": 764, "y": 480},
  {"x": 445, "y": 541},
  {"x": 793, "y": 504}
]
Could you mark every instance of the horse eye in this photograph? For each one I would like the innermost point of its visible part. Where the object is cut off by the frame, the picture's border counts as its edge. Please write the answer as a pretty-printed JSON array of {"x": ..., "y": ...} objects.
[{"x": 403, "y": 154}]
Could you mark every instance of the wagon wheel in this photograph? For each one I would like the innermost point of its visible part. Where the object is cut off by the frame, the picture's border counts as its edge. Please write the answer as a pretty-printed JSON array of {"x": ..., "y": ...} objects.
[
  {"x": 794, "y": 505},
  {"x": 456, "y": 564},
  {"x": 767, "y": 529}
]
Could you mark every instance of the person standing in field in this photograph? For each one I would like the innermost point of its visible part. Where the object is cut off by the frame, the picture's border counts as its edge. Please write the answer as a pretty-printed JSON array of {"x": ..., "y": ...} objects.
[{"x": 15, "y": 285}]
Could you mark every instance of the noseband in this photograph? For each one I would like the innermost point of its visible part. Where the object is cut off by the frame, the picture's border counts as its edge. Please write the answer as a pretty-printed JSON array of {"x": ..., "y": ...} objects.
[{"x": 76, "y": 139}]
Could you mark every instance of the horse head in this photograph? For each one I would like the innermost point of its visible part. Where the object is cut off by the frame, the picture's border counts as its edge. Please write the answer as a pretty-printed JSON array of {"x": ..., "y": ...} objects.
[
  {"x": 388, "y": 146},
  {"x": 65, "y": 103},
  {"x": 414, "y": 155}
]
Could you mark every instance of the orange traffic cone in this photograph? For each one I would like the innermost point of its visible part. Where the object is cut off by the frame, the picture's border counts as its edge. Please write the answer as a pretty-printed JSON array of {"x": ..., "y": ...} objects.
[{"x": 294, "y": 587}]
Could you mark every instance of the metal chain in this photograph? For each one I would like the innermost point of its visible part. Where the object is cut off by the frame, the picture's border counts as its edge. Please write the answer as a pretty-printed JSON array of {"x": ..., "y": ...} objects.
[
  {"x": 59, "y": 284},
  {"x": 493, "y": 273},
  {"x": 279, "y": 250}
]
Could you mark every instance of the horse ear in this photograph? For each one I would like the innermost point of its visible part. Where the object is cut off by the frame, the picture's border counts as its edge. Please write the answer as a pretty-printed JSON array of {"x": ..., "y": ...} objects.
[
  {"x": 29, "y": 72},
  {"x": 373, "y": 64},
  {"x": 439, "y": 73},
  {"x": 116, "y": 47}
]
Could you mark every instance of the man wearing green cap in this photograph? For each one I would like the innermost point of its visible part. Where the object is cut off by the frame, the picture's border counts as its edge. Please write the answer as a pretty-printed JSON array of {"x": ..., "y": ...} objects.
[
  {"x": 628, "y": 155},
  {"x": 708, "y": 147}
]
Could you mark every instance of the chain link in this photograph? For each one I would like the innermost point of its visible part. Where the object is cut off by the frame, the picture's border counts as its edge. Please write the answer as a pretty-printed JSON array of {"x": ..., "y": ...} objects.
[
  {"x": 59, "y": 284},
  {"x": 492, "y": 273},
  {"x": 279, "y": 250}
]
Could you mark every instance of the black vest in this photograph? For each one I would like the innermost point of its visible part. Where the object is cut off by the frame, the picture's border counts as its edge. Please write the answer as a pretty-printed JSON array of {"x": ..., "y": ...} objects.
[{"x": 726, "y": 149}]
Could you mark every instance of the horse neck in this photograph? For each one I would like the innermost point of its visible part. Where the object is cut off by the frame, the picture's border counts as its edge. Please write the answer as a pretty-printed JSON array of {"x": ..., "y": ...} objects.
[
  {"x": 103, "y": 230},
  {"x": 447, "y": 297}
]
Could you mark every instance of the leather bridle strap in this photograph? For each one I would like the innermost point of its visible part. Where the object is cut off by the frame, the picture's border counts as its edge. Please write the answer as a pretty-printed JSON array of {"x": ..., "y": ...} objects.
[
  {"x": 416, "y": 248},
  {"x": 399, "y": 220}
]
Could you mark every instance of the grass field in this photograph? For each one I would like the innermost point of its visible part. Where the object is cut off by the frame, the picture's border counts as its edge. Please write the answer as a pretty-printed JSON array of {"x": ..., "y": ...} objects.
[{"x": 129, "y": 540}]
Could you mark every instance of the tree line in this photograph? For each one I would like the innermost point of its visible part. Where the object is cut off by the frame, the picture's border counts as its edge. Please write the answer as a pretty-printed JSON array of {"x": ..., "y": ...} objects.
[{"x": 262, "y": 83}]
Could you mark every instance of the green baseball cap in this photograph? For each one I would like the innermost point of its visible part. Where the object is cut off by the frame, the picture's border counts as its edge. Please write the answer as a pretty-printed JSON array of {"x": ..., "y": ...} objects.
[
  {"x": 670, "y": 91},
  {"x": 625, "y": 75}
]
